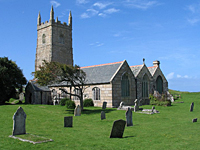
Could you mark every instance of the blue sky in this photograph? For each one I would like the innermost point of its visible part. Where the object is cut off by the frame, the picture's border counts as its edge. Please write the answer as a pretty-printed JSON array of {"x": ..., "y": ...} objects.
[{"x": 111, "y": 31}]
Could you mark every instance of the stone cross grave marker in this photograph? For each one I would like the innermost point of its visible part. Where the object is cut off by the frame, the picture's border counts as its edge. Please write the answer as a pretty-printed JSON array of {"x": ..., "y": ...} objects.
[
  {"x": 68, "y": 121},
  {"x": 19, "y": 121},
  {"x": 129, "y": 121},
  {"x": 103, "y": 115},
  {"x": 77, "y": 111},
  {"x": 191, "y": 107},
  {"x": 118, "y": 129},
  {"x": 104, "y": 105},
  {"x": 194, "y": 120}
]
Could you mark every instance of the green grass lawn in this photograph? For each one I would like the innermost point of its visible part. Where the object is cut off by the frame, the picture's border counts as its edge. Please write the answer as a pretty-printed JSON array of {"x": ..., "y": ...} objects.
[{"x": 171, "y": 129}]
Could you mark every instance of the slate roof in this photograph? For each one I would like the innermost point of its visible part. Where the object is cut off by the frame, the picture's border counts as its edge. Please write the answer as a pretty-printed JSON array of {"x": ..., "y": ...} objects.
[
  {"x": 101, "y": 73},
  {"x": 152, "y": 70},
  {"x": 37, "y": 87},
  {"x": 136, "y": 69}
]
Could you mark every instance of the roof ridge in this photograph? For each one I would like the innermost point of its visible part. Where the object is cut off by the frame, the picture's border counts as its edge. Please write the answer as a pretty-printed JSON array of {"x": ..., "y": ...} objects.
[
  {"x": 152, "y": 67},
  {"x": 101, "y": 65},
  {"x": 136, "y": 65}
]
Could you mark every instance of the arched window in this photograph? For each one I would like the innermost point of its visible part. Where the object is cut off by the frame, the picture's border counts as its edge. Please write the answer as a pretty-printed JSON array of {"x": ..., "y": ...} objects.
[
  {"x": 145, "y": 86},
  {"x": 96, "y": 93},
  {"x": 125, "y": 87},
  {"x": 159, "y": 84},
  {"x": 76, "y": 92},
  {"x": 43, "y": 38},
  {"x": 61, "y": 39}
]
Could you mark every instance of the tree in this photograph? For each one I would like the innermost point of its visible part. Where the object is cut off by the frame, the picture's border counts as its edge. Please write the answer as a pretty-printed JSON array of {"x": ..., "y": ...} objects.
[
  {"x": 55, "y": 72},
  {"x": 11, "y": 78}
]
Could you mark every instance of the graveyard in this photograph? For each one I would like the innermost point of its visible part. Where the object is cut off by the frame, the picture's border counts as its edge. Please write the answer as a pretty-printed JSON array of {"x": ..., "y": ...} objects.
[{"x": 172, "y": 128}]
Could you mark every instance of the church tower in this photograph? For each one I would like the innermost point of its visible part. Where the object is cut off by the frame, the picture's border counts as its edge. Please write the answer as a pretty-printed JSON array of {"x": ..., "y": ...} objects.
[{"x": 54, "y": 41}]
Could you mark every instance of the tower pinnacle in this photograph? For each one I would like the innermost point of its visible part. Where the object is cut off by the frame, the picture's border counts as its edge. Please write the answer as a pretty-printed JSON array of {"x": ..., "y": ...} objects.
[
  {"x": 39, "y": 19},
  {"x": 52, "y": 14},
  {"x": 70, "y": 19}
]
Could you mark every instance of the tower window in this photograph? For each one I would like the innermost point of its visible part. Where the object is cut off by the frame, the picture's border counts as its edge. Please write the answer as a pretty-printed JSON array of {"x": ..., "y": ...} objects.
[
  {"x": 61, "y": 39},
  {"x": 43, "y": 38}
]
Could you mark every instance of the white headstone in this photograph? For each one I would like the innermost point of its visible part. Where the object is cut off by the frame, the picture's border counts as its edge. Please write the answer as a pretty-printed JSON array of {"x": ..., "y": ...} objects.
[{"x": 77, "y": 111}]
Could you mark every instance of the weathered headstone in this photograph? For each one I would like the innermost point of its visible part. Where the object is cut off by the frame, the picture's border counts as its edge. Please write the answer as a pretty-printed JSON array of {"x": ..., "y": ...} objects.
[
  {"x": 194, "y": 120},
  {"x": 77, "y": 111},
  {"x": 191, "y": 107},
  {"x": 21, "y": 96},
  {"x": 121, "y": 104},
  {"x": 68, "y": 121},
  {"x": 103, "y": 115},
  {"x": 104, "y": 105},
  {"x": 19, "y": 121},
  {"x": 129, "y": 121},
  {"x": 118, "y": 129},
  {"x": 136, "y": 107}
]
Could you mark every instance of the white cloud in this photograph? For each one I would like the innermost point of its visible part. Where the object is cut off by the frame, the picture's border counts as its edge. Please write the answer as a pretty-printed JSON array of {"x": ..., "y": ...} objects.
[
  {"x": 141, "y": 4},
  {"x": 89, "y": 13},
  {"x": 85, "y": 15},
  {"x": 170, "y": 76},
  {"x": 101, "y": 5},
  {"x": 81, "y": 1},
  {"x": 111, "y": 10},
  {"x": 97, "y": 44},
  {"x": 185, "y": 76},
  {"x": 102, "y": 14},
  {"x": 191, "y": 8},
  {"x": 193, "y": 21},
  {"x": 194, "y": 16},
  {"x": 55, "y": 3}
]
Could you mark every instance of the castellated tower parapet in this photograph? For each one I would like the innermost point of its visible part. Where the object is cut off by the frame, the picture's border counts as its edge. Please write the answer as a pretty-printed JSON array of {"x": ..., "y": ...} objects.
[{"x": 54, "y": 41}]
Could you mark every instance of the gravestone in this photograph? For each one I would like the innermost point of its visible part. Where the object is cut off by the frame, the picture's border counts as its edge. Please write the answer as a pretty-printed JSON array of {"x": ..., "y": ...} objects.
[
  {"x": 121, "y": 104},
  {"x": 21, "y": 96},
  {"x": 136, "y": 107},
  {"x": 118, "y": 129},
  {"x": 68, "y": 121},
  {"x": 19, "y": 121},
  {"x": 191, "y": 107},
  {"x": 77, "y": 111},
  {"x": 194, "y": 120},
  {"x": 129, "y": 121},
  {"x": 103, "y": 115},
  {"x": 104, "y": 105}
]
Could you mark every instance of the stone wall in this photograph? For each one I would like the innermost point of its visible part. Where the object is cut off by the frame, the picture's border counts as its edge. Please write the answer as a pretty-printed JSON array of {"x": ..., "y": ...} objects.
[
  {"x": 116, "y": 87},
  {"x": 165, "y": 83},
  {"x": 140, "y": 76},
  {"x": 53, "y": 48}
]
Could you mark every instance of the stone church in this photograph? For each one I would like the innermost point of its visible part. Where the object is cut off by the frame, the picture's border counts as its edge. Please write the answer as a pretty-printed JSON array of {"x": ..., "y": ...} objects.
[{"x": 112, "y": 82}]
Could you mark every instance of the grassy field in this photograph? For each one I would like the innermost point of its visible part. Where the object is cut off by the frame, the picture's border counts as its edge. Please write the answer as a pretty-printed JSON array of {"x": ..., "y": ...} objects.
[{"x": 171, "y": 129}]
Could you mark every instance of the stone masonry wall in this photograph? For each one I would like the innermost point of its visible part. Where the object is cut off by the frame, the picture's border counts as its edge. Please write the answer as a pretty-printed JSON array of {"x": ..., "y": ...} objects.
[
  {"x": 116, "y": 87},
  {"x": 53, "y": 49},
  {"x": 140, "y": 76}
]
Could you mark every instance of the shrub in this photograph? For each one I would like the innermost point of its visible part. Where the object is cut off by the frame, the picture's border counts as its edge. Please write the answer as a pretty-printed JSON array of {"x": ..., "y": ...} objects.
[
  {"x": 70, "y": 104},
  {"x": 88, "y": 102},
  {"x": 159, "y": 102},
  {"x": 63, "y": 101}
]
